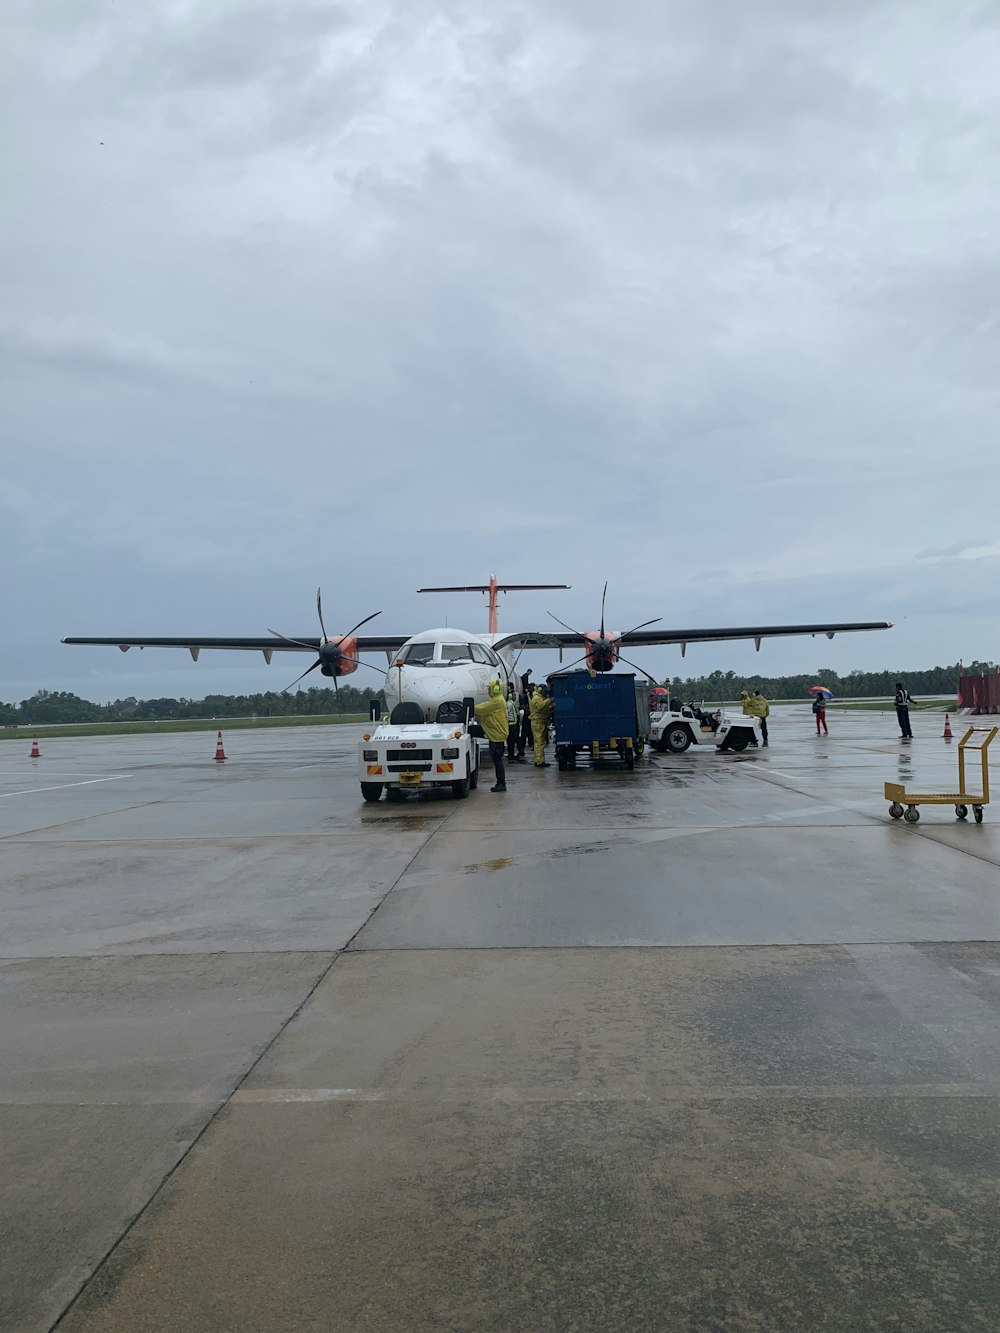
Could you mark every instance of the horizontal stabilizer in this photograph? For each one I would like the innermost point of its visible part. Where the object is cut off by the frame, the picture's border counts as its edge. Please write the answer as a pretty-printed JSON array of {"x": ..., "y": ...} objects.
[{"x": 502, "y": 587}]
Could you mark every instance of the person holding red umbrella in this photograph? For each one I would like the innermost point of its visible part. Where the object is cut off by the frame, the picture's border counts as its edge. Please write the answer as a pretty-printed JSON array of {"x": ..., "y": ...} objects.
[{"x": 819, "y": 694}]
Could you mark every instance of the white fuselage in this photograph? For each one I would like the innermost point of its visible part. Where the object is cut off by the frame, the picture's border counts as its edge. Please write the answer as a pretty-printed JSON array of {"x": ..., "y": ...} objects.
[{"x": 445, "y": 665}]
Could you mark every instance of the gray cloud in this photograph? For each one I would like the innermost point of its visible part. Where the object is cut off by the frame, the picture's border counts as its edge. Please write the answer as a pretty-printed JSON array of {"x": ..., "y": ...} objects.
[{"x": 700, "y": 298}]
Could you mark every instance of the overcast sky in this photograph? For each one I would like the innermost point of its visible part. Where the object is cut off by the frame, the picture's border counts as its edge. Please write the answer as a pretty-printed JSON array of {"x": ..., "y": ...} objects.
[{"x": 700, "y": 298}]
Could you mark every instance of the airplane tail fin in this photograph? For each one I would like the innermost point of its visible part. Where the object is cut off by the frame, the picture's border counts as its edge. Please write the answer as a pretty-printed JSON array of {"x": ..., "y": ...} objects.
[{"x": 492, "y": 588}]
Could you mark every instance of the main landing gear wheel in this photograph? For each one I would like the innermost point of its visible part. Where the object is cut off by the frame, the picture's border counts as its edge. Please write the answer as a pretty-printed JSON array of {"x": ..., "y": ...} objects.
[
  {"x": 371, "y": 791},
  {"x": 896, "y": 811},
  {"x": 962, "y": 811},
  {"x": 911, "y": 814},
  {"x": 977, "y": 813}
]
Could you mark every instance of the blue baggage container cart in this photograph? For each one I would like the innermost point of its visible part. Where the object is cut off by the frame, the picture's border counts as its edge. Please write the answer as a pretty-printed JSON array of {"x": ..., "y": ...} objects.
[{"x": 598, "y": 715}]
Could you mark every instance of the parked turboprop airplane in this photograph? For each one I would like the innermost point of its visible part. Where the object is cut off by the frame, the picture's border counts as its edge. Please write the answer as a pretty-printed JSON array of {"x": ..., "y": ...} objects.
[{"x": 448, "y": 665}]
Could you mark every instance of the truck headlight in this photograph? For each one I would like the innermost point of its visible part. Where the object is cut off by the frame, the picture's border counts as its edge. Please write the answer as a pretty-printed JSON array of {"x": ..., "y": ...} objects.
[
  {"x": 450, "y": 752},
  {"x": 369, "y": 755}
]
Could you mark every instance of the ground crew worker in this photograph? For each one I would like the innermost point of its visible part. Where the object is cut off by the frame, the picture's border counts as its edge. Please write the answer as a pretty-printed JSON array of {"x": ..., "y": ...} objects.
[
  {"x": 541, "y": 710},
  {"x": 761, "y": 708},
  {"x": 903, "y": 701},
  {"x": 513, "y": 723},
  {"x": 524, "y": 736},
  {"x": 747, "y": 709},
  {"x": 492, "y": 717}
]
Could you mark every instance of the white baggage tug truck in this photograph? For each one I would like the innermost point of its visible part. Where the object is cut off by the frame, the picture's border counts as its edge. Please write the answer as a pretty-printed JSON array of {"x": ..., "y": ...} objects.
[
  {"x": 673, "y": 727},
  {"x": 407, "y": 753}
]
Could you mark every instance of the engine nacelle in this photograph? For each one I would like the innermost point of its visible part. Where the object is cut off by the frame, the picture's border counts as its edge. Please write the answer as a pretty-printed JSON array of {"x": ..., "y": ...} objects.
[
  {"x": 601, "y": 649},
  {"x": 339, "y": 656}
]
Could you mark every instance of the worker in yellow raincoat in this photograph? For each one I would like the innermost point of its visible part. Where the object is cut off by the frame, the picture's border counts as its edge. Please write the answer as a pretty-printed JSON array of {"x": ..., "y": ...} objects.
[
  {"x": 759, "y": 707},
  {"x": 541, "y": 708},
  {"x": 492, "y": 717}
]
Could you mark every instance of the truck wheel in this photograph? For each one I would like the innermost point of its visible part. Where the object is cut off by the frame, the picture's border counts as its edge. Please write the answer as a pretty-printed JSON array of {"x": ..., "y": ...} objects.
[
  {"x": 676, "y": 739},
  {"x": 371, "y": 791},
  {"x": 640, "y": 745},
  {"x": 628, "y": 755},
  {"x": 474, "y": 777},
  {"x": 561, "y": 761},
  {"x": 736, "y": 740},
  {"x": 395, "y": 794},
  {"x": 460, "y": 789}
]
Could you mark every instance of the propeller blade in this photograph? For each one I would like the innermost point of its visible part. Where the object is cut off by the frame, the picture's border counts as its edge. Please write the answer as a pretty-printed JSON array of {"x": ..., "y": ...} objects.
[
  {"x": 562, "y": 670},
  {"x": 298, "y": 642},
  {"x": 565, "y": 626},
  {"x": 603, "y": 599},
  {"x": 356, "y": 661},
  {"x": 641, "y": 670},
  {"x": 359, "y": 624},
  {"x": 319, "y": 611},
  {"x": 318, "y": 662},
  {"x": 635, "y": 628}
]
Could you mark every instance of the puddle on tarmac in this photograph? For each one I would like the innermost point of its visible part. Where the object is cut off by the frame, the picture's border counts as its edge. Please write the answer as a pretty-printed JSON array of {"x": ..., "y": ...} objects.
[{"x": 490, "y": 867}]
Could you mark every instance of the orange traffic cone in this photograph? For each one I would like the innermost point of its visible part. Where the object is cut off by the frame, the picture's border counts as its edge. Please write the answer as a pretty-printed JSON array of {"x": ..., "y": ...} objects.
[
  {"x": 35, "y": 751},
  {"x": 220, "y": 754},
  {"x": 947, "y": 727}
]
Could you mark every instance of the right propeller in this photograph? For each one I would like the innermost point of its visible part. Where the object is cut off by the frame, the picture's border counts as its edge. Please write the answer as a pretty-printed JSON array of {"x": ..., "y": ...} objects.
[
  {"x": 602, "y": 647},
  {"x": 336, "y": 656}
]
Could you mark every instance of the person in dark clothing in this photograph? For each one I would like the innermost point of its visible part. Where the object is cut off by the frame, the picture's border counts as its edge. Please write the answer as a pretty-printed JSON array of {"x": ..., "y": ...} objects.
[
  {"x": 903, "y": 701},
  {"x": 524, "y": 736}
]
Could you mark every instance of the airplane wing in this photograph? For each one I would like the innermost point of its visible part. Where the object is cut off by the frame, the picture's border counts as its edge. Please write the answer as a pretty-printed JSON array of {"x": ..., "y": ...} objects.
[
  {"x": 367, "y": 643},
  {"x": 649, "y": 638}
]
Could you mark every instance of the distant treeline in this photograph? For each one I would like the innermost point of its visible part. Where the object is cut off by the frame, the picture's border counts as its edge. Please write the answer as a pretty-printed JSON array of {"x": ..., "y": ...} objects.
[
  {"x": 52, "y": 706},
  {"x": 855, "y": 685},
  {"x": 49, "y": 706}
]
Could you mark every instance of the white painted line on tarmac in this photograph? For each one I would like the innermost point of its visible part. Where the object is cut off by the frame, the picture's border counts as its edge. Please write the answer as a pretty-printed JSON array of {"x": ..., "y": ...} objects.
[
  {"x": 284, "y": 1095},
  {"x": 29, "y": 791}
]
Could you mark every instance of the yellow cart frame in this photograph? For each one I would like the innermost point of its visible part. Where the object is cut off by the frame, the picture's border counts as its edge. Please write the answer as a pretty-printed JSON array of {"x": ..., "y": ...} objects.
[{"x": 904, "y": 803}]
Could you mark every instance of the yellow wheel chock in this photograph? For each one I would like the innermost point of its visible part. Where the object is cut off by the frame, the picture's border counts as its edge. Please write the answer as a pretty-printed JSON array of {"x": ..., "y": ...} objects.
[{"x": 903, "y": 803}]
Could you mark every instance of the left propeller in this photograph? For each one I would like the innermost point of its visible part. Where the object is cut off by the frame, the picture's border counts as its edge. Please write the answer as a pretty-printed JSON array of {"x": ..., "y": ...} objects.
[{"x": 337, "y": 656}]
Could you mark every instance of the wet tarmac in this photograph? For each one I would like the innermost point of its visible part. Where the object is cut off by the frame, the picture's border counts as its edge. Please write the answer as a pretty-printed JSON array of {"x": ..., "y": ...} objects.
[{"x": 712, "y": 1045}]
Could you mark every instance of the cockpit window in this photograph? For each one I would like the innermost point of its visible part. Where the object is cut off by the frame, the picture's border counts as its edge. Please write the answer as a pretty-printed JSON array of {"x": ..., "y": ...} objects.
[
  {"x": 418, "y": 653},
  {"x": 456, "y": 652}
]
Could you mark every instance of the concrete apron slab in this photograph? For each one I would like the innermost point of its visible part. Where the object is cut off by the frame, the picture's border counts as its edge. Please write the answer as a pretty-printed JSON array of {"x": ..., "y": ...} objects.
[
  {"x": 716, "y": 886},
  {"x": 535, "y": 1140},
  {"x": 109, "y": 1070},
  {"x": 198, "y": 896}
]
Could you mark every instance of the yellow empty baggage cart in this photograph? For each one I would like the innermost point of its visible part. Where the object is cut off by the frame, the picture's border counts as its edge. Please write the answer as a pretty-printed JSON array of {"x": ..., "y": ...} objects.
[{"x": 903, "y": 803}]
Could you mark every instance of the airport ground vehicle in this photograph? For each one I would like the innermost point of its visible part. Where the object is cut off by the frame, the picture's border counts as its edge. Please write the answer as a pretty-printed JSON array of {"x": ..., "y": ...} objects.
[
  {"x": 676, "y": 728},
  {"x": 407, "y": 753},
  {"x": 599, "y": 714}
]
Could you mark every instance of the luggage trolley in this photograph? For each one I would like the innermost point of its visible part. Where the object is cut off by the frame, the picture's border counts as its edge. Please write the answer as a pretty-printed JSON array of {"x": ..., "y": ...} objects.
[{"x": 904, "y": 803}]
